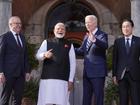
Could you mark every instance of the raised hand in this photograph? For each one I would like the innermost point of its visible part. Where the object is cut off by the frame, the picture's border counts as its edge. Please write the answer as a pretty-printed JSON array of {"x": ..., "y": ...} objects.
[{"x": 91, "y": 36}]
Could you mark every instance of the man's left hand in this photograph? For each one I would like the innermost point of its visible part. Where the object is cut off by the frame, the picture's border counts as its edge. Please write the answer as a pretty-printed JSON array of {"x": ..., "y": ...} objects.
[
  {"x": 70, "y": 86},
  {"x": 28, "y": 77}
]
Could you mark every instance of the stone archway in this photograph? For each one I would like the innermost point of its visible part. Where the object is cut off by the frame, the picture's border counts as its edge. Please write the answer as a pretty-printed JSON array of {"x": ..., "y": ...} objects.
[
  {"x": 72, "y": 13},
  {"x": 36, "y": 24}
]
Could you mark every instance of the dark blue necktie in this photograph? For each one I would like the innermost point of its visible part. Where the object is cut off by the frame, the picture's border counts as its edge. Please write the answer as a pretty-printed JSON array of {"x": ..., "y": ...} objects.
[
  {"x": 18, "y": 41},
  {"x": 127, "y": 45}
]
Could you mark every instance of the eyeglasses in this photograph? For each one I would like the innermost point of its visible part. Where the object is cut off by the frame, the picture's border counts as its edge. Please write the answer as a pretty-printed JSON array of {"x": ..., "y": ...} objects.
[{"x": 17, "y": 23}]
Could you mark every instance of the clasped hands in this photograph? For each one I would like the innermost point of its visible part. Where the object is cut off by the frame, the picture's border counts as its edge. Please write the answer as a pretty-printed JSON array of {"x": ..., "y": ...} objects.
[{"x": 91, "y": 36}]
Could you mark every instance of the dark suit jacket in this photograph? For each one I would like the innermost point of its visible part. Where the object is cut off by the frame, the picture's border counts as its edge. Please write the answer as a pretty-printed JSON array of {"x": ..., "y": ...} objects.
[
  {"x": 95, "y": 56},
  {"x": 121, "y": 60},
  {"x": 13, "y": 60}
]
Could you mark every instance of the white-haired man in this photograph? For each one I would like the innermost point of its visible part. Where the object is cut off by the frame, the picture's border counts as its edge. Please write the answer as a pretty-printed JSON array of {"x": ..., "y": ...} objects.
[
  {"x": 14, "y": 67},
  {"x": 94, "y": 50}
]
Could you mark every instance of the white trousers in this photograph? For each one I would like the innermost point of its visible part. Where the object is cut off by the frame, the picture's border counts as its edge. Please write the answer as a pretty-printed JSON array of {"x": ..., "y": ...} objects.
[
  {"x": 53, "y": 91},
  {"x": 53, "y": 104}
]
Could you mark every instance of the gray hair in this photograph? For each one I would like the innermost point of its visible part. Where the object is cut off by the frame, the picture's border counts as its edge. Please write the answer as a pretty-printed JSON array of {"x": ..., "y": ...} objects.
[
  {"x": 12, "y": 18},
  {"x": 92, "y": 16},
  {"x": 60, "y": 24}
]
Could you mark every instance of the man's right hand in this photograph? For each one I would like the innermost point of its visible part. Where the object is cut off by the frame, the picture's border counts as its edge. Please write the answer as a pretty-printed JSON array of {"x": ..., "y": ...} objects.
[
  {"x": 48, "y": 54},
  {"x": 2, "y": 78},
  {"x": 115, "y": 80}
]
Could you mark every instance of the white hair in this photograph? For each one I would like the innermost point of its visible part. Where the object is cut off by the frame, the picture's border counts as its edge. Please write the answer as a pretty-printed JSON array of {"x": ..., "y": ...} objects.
[
  {"x": 92, "y": 17},
  {"x": 13, "y": 18},
  {"x": 59, "y": 35},
  {"x": 60, "y": 24}
]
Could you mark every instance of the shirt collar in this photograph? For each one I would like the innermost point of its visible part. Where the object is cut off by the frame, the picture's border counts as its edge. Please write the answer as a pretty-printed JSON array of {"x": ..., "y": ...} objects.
[
  {"x": 14, "y": 33},
  {"x": 94, "y": 31},
  {"x": 130, "y": 37}
]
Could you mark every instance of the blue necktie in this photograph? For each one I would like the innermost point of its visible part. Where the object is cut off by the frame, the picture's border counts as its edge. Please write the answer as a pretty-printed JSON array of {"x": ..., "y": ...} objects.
[
  {"x": 88, "y": 44},
  {"x": 127, "y": 45}
]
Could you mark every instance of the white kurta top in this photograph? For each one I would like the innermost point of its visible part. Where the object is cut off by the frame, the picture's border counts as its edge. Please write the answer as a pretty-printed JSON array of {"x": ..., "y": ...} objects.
[{"x": 55, "y": 91}]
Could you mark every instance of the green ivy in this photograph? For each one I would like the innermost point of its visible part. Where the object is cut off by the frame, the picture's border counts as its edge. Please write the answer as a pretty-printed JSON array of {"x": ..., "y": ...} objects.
[
  {"x": 109, "y": 58},
  {"x": 31, "y": 54},
  {"x": 31, "y": 90},
  {"x": 111, "y": 93}
]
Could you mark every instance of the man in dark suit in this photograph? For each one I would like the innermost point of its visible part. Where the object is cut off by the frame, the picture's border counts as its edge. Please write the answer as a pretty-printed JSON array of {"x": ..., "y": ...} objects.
[
  {"x": 13, "y": 63},
  {"x": 126, "y": 64},
  {"x": 93, "y": 48}
]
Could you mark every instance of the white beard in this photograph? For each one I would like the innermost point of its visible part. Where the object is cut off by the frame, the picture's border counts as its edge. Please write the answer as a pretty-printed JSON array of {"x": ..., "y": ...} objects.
[{"x": 59, "y": 35}]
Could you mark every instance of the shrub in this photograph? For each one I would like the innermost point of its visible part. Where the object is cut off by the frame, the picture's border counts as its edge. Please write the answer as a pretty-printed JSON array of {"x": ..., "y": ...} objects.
[
  {"x": 109, "y": 58},
  {"x": 111, "y": 93},
  {"x": 31, "y": 54},
  {"x": 31, "y": 90}
]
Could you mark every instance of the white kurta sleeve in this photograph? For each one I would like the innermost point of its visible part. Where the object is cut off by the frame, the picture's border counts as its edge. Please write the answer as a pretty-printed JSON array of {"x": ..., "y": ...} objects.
[
  {"x": 72, "y": 59},
  {"x": 41, "y": 51}
]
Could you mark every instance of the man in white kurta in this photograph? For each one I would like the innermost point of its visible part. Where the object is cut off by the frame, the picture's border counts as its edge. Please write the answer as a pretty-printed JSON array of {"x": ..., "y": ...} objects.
[{"x": 56, "y": 91}]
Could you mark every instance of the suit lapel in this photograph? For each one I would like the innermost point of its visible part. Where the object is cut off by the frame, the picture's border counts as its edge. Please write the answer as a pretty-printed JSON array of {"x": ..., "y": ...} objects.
[
  {"x": 122, "y": 44},
  {"x": 12, "y": 38},
  {"x": 14, "y": 42},
  {"x": 131, "y": 47},
  {"x": 84, "y": 43},
  {"x": 22, "y": 40},
  {"x": 132, "y": 44}
]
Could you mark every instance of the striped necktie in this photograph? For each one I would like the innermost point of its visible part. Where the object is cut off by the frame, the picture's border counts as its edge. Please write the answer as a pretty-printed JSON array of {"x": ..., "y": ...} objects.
[
  {"x": 18, "y": 41},
  {"x": 88, "y": 43}
]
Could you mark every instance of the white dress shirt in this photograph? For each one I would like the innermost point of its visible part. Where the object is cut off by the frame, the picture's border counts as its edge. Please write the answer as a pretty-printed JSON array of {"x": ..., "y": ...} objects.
[
  {"x": 130, "y": 39},
  {"x": 14, "y": 34}
]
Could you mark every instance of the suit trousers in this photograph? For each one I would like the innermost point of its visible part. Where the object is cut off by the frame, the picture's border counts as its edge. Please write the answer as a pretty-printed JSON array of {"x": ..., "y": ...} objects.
[
  {"x": 128, "y": 89},
  {"x": 93, "y": 86},
  {"x": 13, "y": 85}
]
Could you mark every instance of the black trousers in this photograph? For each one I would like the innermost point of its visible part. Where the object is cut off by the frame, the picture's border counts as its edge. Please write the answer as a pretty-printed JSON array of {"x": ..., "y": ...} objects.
[
  {"x": 128, "y": 89},
  {"x": 15, "y": 85}
]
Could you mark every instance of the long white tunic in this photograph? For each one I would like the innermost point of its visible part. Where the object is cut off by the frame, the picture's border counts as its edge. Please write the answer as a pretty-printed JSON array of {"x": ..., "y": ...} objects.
[{"x": 55, "y": 91}]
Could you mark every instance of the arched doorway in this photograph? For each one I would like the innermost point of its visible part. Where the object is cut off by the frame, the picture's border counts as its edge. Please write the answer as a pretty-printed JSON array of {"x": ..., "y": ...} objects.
[{"x": 72, "y": 13}]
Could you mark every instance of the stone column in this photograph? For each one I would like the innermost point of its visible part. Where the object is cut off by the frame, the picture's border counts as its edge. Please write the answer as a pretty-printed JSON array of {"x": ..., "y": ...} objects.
[
  {"x": 135, "y": 15},
  {"x": 5, "y": 13}
]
